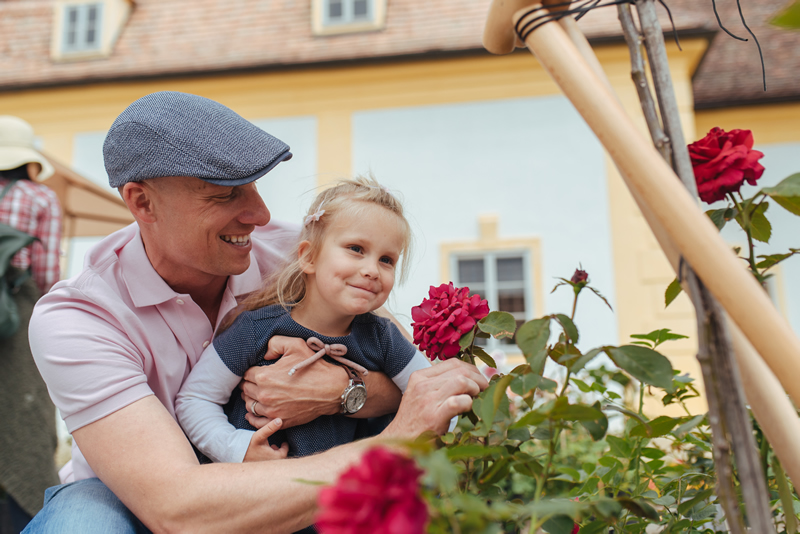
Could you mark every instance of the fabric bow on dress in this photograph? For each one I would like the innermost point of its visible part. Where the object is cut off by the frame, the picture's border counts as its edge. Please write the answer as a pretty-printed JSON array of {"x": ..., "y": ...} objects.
[{"x": 335, "y": 351}]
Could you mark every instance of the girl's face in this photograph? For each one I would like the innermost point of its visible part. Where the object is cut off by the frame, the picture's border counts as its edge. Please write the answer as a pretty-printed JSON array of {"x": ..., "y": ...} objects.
[{"x": 354, "y": 270}]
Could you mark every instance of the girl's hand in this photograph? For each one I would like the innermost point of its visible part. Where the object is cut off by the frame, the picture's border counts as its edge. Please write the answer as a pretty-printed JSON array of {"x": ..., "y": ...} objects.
[{"x": 260, "y": 449}]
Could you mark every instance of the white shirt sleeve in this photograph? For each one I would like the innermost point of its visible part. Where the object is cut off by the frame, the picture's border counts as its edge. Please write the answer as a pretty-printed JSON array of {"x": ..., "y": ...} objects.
[
  {"x": 418, "y": 361},
  {"x": 199, "y": 409}
]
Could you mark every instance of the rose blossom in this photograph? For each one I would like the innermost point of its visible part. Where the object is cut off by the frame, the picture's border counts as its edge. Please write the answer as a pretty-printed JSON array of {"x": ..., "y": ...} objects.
[
  {"x": 381, "y": 494},
  {"x": 722, "y": 161},
  {"x": 579, "y": 276},
  {"x": 441, "y": 320}
]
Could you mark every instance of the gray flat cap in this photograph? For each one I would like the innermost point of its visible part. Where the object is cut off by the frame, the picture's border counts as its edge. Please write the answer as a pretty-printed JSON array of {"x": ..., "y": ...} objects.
[{"x": 178, "y": 134}]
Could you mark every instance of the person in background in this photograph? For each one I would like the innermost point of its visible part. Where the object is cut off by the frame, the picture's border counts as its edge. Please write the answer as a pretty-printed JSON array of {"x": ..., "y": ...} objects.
[{"x": 27, "y": 416}]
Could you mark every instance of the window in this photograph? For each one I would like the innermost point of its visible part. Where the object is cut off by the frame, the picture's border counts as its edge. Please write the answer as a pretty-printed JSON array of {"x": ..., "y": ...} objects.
[
  {"x": 82, "y": 27},
  {"x": 502, "y": 278},
  {"x": 347, "y": 16}
]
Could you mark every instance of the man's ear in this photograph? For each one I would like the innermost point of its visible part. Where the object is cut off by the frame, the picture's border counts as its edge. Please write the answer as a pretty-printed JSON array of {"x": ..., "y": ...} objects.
[
  {"x": 304, "y": 255},
  {"x": 139, "y": 198}
]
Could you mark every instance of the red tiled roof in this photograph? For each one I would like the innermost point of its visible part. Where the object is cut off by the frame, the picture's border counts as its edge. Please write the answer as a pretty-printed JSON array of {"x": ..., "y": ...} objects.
[
  {"x": 172, "y": 37},
  {"x": 165, "y": 37},
  {"x": 730, "y": 73}
]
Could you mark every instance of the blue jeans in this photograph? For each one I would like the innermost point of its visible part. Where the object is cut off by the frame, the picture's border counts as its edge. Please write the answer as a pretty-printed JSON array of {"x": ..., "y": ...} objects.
[{"x": 85, "y": 507}]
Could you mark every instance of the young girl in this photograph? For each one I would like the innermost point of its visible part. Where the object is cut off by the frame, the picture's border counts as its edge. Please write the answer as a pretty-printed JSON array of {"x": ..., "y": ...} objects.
[{"x": 350, "y": 247}]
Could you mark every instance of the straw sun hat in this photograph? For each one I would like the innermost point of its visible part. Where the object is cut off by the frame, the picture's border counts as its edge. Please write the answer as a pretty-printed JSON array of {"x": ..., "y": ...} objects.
[{"x": 16, "y": 147}]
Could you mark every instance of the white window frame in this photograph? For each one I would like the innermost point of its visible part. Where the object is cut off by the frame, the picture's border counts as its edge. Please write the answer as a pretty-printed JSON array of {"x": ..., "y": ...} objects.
[
  {"x": 492, "y": 286},
  {"x": 81, "y": 29},
  {"x": 322, "y": 24}
]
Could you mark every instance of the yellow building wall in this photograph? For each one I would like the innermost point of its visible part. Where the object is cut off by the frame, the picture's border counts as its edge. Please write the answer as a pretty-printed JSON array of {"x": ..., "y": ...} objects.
[{"x": 333, "y": 94}]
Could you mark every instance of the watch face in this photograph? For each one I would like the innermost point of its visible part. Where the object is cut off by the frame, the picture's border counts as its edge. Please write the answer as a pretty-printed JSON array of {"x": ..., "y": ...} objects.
[{"x": 355, "y": 399}]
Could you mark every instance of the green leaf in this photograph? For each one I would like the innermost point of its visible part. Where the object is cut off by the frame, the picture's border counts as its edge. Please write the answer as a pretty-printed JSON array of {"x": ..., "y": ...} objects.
[
  {"x": 573, "y": 474},
  {"x": 563, "y": 411},
  {"x": 595, "y": 527},
  {"x": 581, "y": 362},
  {"x": 526, "y": 465},
  {"x": 501, "y": 386},
  {"x": 688, "y": 425},
  {"x": 685, "y": 506},
  {"x": 720, "y": 217},
  {"x": 596, "y": 292},
  {"x": 673, "y": 290},
  {"x": 643, "y": 363},
  {"x": 482, "y": 355},
  {"x": 533, "y": 335},
  {"x": 618, "y": 447},
  {"x": 498, "y": 471},
  {"x": 773, "y": 259},
  {"x": 659, "y": 336},
  {"x": 786, "y": 193},
  {"x": 639, "y": 507},
  {"x": 597, "y": 428},
  {"x": 461, "y": 452},
  {"x": 789, "y": 17},
  {"x": 660, "y": 426},
  {"x": 525, "y": 383},
  {"x": 518, "y": 434},
  {"x": 498, "y": 324},
  {"x": 466, "y": 340},
  {"x": 569, "y": 327},
  {"x": 787, "y": 500},
  {"x": 559, "y": 524},
  {"x": 760, "y": 228}
]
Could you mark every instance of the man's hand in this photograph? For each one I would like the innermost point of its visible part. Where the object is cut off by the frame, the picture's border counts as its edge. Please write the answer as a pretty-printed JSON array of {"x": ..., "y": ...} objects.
[
  {"x": 434, "y": 396},
  {"x": 312, "y": 391}
]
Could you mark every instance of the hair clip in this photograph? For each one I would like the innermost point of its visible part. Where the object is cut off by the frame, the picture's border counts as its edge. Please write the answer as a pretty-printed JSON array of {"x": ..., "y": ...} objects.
[{"x": 314, "y": 217}]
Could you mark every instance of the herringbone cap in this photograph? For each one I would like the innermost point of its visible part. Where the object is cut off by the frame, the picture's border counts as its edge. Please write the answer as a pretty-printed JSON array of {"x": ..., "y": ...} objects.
[{"x": 177, "y": 134}]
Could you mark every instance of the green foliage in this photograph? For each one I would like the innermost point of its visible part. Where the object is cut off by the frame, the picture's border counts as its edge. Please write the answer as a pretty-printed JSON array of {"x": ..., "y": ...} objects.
[
  {"x": 789, "y": 17},
  {"x": 539, "y": 454}
]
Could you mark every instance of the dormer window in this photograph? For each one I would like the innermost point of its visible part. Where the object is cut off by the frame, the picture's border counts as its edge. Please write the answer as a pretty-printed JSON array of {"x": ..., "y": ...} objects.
[
  {"x": 87, "y": 29},
  {"x": 82, "y": 27},
  {"x": 347, "y": 16}
]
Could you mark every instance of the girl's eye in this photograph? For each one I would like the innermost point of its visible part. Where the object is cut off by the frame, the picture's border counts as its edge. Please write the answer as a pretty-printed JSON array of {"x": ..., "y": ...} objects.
[
  {"x": 356, "y": 248},
  {"x": 387, "y": 259}
]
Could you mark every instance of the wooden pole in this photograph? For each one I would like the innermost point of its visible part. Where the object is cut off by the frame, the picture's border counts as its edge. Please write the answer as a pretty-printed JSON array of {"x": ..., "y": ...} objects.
[{"x": 653, "y": 181}]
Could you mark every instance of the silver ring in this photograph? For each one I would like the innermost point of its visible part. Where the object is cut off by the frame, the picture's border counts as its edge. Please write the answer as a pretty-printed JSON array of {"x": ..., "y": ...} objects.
[{"x": 253, "y": 408}]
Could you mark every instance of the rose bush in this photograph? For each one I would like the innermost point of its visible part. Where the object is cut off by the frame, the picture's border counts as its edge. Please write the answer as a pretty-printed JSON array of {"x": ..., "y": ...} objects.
[
  {"x": 443, "y": 318},
  {"x": 723, "y": 161},
  {"x": 381, "y": 494}
]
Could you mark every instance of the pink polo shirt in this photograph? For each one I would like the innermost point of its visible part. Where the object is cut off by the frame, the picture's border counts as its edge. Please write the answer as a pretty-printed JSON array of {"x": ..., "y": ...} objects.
[{"x": 117, "y": 332}]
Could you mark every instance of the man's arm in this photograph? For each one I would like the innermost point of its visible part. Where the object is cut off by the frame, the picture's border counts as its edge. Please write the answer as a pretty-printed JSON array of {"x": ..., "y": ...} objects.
[
  {"x": 144, "y": 458},
  {"x": 313, "y": 391}
]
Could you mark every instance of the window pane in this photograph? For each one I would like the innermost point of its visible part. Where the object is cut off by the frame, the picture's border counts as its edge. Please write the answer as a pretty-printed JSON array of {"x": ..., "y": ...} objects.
[
  {"x": 470, "y": 271},
  {"x": 91, "y": 25},
  {"x": 335, "y": 9},
  {"x": 360, "y": 8},
  {"x": 511, "y": 300},
  {"x": 72, "y": 23},
  {"x": 509, "y": 270}
]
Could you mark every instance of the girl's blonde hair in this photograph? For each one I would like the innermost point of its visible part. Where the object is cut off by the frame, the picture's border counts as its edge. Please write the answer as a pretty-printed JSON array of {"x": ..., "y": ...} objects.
[{"x": 287, "y": 286}]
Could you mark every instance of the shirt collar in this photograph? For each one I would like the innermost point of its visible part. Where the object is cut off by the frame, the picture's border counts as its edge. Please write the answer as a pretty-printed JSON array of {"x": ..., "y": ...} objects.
[{"x": 147, "y": 288}]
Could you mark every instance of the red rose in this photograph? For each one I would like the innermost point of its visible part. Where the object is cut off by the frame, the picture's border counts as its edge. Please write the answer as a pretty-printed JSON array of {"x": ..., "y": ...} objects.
[
  {"x": 576, "y": 529},
  {"x": 381, "y": 494},
  {"x": 441, "y": 320},
  {"x": 579, "y": 276},
  {"x": 722, "y": 161}
]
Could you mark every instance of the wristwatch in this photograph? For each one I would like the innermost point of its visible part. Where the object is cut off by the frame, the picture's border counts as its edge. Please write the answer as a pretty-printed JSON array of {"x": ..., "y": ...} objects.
[{"x": 355, "y": 394}]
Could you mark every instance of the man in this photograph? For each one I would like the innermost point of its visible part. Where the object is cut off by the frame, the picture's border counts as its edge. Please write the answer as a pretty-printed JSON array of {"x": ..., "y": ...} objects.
[
  {"x": 27, "y": 417},
  {"x": 115, "y": 343}
]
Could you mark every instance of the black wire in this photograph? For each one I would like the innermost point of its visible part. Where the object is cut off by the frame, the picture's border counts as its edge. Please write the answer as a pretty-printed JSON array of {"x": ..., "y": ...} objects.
[
  {"x": 763, "y": 68},
  {"x": 524, "y": 30},
  {"x": 714, "y": 5},
  {"x": 674, "y": 31}
]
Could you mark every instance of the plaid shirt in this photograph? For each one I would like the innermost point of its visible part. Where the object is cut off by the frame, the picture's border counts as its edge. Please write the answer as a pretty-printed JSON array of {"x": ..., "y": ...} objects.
[{"x": 34, "y": 208}]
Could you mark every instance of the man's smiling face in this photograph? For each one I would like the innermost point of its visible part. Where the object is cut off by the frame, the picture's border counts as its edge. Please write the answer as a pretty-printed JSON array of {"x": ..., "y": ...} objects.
[{"x": 202, "y": 230}]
